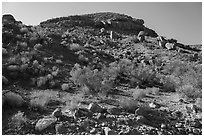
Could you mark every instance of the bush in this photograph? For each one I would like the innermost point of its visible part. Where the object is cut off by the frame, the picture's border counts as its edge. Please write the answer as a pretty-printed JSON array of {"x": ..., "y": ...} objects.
[
  {"x": 18, "y": 120},
  {"x": 190, "y": 92},
  {"x": 170, "y": 83},
  {"x": 185, "y": 78},
  {"x": 40, "y": 99},
  {"x": 128, "y": 104},
  {"x": 139, "y": 93},
  {"x": 72, "y": 102},
  {"x": 96, "y": 81}
]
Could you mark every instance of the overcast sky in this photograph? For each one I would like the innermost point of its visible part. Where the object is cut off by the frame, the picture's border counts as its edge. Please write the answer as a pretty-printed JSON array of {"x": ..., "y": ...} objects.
[{"x": 182, "y": 21}]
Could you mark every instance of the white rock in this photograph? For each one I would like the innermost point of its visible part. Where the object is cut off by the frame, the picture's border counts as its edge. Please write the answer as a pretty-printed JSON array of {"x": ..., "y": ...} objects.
[
  {"x": 65, "y": 87},
  {"x": 59, "y": 61},
  {"x": 45, "y": 123}
]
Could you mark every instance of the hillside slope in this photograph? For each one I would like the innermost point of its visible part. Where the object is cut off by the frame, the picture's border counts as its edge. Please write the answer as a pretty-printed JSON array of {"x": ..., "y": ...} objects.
[{"x": 102, "y": 73}]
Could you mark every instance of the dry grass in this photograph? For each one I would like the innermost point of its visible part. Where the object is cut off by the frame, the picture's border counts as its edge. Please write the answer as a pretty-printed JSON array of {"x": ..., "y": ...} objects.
[{"x": 40, "y": 98}]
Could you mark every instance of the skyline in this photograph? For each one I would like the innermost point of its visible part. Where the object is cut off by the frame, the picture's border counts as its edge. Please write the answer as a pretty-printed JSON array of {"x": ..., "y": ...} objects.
[{"x": 178, "y": 20}]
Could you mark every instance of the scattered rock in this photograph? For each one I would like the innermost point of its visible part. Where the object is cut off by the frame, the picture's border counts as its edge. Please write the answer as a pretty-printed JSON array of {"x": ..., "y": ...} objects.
[
  {"x": 93, "y": 131},
  {"x": 114, "y": 111},
  {"x": 143, "y": 120},
  {"x": 41, "y": 81},
  {"x": 163, "y": 126},
  {"x": 169, "y": 46},
  {"x": 190, "y": 108},
  {"x": 82, "y": 112},
  {"x": 108, "y": 131},
  {"x": 57, "y": 113},
  {"x": 100, "y": 116},
  {"x": 13, "y": 68},
  {"x": 38, "y": 47},
  {"x": 65, "y": 87},
  {"x": 45, "y": 122},
  {"x": 60, "y": 129},
  {"x": 95, "y": 108},
  {"x": 152, "y": 105},
  {"x": 59, "y": 61}
]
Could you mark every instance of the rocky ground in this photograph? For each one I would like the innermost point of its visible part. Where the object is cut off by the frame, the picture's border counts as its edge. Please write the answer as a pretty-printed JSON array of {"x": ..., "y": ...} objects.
[{"x": 96, "y": 75}]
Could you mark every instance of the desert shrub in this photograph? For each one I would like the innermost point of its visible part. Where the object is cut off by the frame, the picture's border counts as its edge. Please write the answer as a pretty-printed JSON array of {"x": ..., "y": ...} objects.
[
  {"x": 72, "y": 102},
  {"x": 170, "y": 83},
  {"x": 135, "y": 74},
  {"x": 39, "y": 99},
  {"x": 128, "y": 104},
  {"x": 186, "y": 78},
  {"x": 190, "y": 92},
  {"x": 139, "y": 93},
  {"x": 18, "y": 120},
  {"x": 146, "y": 75},
  {"x": 96, "y": 81}
]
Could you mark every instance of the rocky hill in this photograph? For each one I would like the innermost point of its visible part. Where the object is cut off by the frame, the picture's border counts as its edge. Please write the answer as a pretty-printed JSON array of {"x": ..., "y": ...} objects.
[{"x": 101, "y": 73}]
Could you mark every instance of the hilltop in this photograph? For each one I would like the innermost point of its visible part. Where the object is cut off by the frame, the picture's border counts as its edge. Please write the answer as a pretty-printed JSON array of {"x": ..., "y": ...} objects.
[{"x": 101, "y": 73}]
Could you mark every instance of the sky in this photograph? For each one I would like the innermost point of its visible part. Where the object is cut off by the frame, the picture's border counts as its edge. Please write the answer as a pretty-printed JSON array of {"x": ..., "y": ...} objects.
[{"x": 178, "y": 20}]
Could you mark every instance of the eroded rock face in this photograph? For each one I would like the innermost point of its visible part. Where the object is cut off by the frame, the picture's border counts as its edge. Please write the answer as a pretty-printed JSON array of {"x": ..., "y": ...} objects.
[{"x": 8, "y": 18}]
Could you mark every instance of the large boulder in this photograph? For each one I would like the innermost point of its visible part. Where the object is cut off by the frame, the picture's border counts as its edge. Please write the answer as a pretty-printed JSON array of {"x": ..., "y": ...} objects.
[
  {"x": 12, "y": 99},
  {"x": 45, "y": 122}
]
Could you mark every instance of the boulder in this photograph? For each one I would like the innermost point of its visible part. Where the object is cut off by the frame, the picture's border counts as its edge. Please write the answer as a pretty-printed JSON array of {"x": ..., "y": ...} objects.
[
  {"x": 24, "y": 30},
  {"x": 170, "y": 46},
  {"x": 38, "y": 46},
  {"x": 13, "y": 99},
  {"x": 82, "y": 112},
  {"x": 95, "y": 108},
  {"x": 4, "y": 80},
  {"x": 41, "y": 81},
  {"x": 143, "y": 120},
  {"x": 58, "y": 61},
  {"x": 13, "y": 68},
  {"x": 4, "y": 52},
  {"x": 45, "y": 122},
  {"x": 65, "y": 87}
]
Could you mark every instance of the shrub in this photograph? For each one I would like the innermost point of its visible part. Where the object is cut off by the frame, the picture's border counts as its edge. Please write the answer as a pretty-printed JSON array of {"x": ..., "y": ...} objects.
[
  {"x": 73, "y": 102},
  {"x": 139, "y": 93},
  {"x": 170, "y": 83},
  {"x": 190, "y": 92},
  {"x": 186, "y": 78},
  {"x": 128, "y": 104},
  {"x": 96, "y": 81},
  {"x": 40, "y": 99},
  {"x": 18, "y": 120}
]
